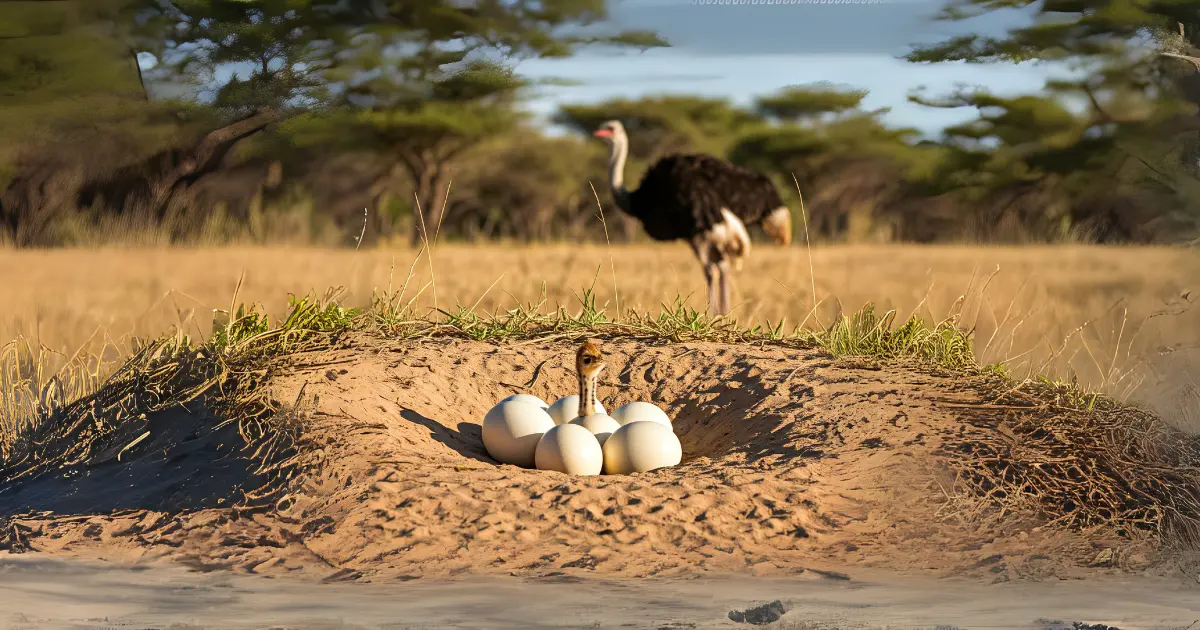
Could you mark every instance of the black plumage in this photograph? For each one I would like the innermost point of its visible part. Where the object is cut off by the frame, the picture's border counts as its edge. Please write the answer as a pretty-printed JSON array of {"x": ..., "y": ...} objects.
[
  {"x": 701, "y": 199},
  {"x": 681, "y": 196}
]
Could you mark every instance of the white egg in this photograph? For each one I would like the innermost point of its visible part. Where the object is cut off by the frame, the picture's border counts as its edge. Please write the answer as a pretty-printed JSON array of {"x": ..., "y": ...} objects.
[
  {"x": 640, "y": 447},
  {"x": 571, "y": 449},
  {"x": 511, "y": 431},
  {"x": 638, "y": 410},
  {"x": 529, "y": 398},
  {"x": 566, "y": 409},
  {"x": 599, "y": 425}
]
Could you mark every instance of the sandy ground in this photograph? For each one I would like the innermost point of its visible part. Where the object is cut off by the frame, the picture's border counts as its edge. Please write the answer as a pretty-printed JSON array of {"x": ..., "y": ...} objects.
[
  {"x": 36, "y": 592},
  {"x": 791, "y": 460},
  {"x": 812, "y": 481}
]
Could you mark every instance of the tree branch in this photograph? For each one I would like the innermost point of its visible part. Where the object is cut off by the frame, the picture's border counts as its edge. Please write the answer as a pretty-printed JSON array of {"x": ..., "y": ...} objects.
[
  {"x": 410, "y": 160},
  {"x": 138, "y": 68},
  {"x": 1099, "y": 109},
  {"x": 214, "y": 145},
  {"x": 1195, "y": 61}
]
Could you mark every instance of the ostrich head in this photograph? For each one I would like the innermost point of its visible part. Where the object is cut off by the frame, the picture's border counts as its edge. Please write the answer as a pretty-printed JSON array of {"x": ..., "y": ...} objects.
[
  {"x": 588, "y": 360},
  {"x": 588, "y": 363},
  {"x": 612, "y": 132}
]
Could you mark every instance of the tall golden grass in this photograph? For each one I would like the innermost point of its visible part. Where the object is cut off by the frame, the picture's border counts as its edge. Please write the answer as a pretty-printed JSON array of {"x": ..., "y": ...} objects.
[{"x": 1122, "y": 320}]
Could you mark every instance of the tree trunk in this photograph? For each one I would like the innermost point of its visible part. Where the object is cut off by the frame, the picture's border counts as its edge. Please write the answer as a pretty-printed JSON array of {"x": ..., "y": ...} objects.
[
  {"x": 431, "y": 178},
  {"x": 382, "y": 191},
  {"x": 422, "y": 230},
  {"x": 207, "y": 155},
  {"x": 137, "y": 67},
  {"x": 40, "y": 193},
  {"x": 158, "y": 179}
]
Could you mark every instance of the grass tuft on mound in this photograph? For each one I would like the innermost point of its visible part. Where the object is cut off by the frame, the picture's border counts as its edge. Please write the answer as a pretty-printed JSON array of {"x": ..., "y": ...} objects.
[
  {"x": 76, "y": 417},
  {"x": 45, "y": 431},
  {"x": 1048, "y": 449}
]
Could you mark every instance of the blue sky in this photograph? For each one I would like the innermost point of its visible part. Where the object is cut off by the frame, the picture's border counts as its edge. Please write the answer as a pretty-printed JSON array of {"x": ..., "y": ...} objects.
[{"x": 744, "y": 50}]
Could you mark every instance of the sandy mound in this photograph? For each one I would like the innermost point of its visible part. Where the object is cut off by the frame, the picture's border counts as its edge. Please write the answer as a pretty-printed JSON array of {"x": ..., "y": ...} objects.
[{"x": 791, "y": 461}]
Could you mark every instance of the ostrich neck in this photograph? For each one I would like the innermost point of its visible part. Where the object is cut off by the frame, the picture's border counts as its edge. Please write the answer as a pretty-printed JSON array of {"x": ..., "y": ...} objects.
[
  {"x": 587, "y": 395},
  {"x": 616, "y": 173}
]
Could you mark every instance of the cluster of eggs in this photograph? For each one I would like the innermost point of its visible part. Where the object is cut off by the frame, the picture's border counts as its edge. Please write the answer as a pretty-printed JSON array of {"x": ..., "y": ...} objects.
[{"x": 524, "y": 431}]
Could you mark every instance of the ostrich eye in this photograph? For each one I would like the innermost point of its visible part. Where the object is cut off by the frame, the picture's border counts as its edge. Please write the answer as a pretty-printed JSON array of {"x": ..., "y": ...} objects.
[{"x": 587, "y": 360}]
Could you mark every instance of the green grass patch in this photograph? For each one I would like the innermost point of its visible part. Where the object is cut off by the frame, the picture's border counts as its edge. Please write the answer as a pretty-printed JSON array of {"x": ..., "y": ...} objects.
[{"x": 67, "y": 417}]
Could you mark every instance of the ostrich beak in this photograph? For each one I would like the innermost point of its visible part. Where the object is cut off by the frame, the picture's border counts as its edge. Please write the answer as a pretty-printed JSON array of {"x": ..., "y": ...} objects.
[{"x": 602, "y": 133}]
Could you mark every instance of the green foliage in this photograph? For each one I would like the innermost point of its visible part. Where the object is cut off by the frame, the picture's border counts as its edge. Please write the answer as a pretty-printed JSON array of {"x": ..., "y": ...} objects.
[
  {"x": 62, "y": 74},
  {"x": 529, "y": 187},
  {"x": 800, "y": 102},
  {"x": 1067, "y": 29},
  {"x": 666, "y": 124},
  {"x": 415, "y": 89},
  {"x": 1016, "y": 140},
  {"x": 279, "y": 47},
  {"x": 795, "y": 148},
  {"x": 1134, "y": 98},
  {"x": 865, "y": 333},
  {"x": 779, "y": 134}
]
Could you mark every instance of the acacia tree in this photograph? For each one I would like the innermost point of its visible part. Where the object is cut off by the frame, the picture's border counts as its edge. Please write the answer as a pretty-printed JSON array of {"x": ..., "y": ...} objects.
[
  {"x": 275, "y": 52},
  {"x": 68, "y": 79},
  {"x": 810, "y": 102},
  {"x": 659, "y": 125},
  {"x": 1141, "y": 81},
  {"x": 846, "y": 160},
  {"x": 421, "y": 142},
  {"x": 430, "y": 81}
]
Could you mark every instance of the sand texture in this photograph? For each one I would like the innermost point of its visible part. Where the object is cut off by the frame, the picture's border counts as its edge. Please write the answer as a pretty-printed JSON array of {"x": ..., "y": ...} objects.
[
  {"x": 792, "y": 463},
  {"x": 54, "y": 594}
]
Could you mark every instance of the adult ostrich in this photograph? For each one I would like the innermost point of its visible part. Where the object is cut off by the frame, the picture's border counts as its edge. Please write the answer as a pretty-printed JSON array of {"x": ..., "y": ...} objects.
[{"x": 703, "y": 199}]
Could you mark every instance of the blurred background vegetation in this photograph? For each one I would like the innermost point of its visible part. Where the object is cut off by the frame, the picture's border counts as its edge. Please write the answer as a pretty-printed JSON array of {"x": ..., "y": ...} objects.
[{"x": 412, "y": 111}]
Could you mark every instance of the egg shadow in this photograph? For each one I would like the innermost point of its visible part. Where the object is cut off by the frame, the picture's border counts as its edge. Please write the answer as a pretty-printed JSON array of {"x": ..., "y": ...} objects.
[{"x": 467, "y": 441}]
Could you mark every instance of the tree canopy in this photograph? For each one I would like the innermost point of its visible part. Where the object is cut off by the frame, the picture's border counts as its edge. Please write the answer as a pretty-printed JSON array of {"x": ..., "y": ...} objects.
[
  {"x": 1138, "y": 82},
  {"x": 403, "y": 105}
]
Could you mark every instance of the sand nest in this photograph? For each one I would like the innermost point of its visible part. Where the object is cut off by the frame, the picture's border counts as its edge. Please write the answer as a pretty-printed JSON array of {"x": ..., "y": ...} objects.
[{"x": 792, "y": 462}]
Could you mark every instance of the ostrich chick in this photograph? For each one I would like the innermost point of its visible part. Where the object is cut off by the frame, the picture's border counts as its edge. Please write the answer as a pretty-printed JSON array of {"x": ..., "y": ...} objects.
[{"x": 588, "y": 365}]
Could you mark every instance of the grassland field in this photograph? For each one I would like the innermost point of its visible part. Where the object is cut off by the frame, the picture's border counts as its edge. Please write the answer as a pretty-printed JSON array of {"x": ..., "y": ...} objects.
[{"x": 1122, "y": 320}]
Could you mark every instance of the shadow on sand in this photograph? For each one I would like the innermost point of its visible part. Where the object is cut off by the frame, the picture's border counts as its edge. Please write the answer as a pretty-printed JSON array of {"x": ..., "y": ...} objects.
[
  {"x": 466, "y": 441},
  {"x": 186, "y": 463}
]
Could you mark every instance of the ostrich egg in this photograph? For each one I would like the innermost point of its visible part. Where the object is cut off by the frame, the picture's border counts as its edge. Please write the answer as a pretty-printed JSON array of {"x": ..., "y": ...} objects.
[
  {"x": 529, "y": 398},
  {"x": 640, "y": 447},
  {"x": 511, "y": 431},
  {"x": 598, "y": 424},
  {"x": 566, "y": 409},
  {"x": 571, "y": 449},
  {"x": 637, "y": 411}
]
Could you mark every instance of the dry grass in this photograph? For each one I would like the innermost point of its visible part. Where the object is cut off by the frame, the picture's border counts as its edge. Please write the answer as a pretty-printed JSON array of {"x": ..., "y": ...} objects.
[
  {"x": 1119, "y": 319},
  {"x": 1077, "y": 459}
]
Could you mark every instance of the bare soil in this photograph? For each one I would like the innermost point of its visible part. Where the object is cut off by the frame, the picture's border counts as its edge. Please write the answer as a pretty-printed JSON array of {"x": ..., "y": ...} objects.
[
  {"x": 793, "y": 464},
  {"x": 38, "y": 593}
]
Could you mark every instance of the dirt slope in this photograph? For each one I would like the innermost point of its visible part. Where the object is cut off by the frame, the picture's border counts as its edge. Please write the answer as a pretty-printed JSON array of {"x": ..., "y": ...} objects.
[{"x": 791, "y": 462}]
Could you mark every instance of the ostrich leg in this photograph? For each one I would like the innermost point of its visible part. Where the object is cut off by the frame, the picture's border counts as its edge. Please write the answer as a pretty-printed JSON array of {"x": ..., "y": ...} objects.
[
  {"x": 712, "y": 279},
  {"x": 724, "y": 271},
  {"x": 702, "y": 247}
]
